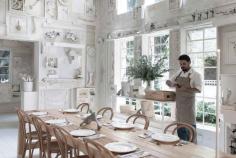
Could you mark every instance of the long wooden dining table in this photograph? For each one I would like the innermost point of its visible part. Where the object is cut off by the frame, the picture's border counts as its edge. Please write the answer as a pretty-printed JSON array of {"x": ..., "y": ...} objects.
[{"x": 110, "y": 134}]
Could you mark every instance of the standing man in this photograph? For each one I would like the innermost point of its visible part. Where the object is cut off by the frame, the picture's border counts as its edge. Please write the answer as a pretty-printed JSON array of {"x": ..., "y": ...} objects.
[{"x": 187, "y": 82}]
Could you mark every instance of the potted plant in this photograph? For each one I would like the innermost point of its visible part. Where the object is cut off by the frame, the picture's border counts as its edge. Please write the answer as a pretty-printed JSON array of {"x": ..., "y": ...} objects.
[
  {"x": 27, "y": 82},
  {"x": 147, "y": 69}
]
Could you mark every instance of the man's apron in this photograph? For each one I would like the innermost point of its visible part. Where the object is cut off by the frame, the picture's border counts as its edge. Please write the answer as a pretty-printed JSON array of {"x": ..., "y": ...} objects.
[{"x": 185, "y": 100}]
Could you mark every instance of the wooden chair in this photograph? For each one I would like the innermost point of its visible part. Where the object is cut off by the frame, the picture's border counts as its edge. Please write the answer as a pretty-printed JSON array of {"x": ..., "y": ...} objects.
[
  {"x": 104, "y": 110},
  {"x": 26, "y": 132},
  {"x": 103, "y": 152},
  {"x": 47, "y": 145},
  {"x": 82, "y": 106},
  {"x": 67, "y": 143},
  {"x": 136, "y": 116},
  {"x": 177, "y": 125}
]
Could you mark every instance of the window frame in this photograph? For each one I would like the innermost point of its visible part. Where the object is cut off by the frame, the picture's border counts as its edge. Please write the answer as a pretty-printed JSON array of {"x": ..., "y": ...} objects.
[
  {"x": 151, "y": 48},
  {"x": 9, "y": 66},
  {"x": 203, "y": 54}
]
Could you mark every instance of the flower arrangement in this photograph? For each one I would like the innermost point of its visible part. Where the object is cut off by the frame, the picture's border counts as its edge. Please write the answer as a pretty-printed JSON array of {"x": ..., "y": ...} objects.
[{"x": 146, "y": 68}]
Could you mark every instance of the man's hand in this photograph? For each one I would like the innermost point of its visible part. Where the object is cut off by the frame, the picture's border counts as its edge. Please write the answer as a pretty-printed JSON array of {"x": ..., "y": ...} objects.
[{"x": 172, "y": 84}]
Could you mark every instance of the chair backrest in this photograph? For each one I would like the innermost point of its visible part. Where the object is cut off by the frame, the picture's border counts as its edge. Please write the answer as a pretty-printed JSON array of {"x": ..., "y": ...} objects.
[
  {"x": 83, "y": 106},
  {"x": 136, "y": 116},
  {"x": 103, "y": 152},
  {"x": 24, "y": 123},
  {"x": 105, "y": 110},
  {"x": 65, "y": 141},
  {"x": 177, "y": 125},
  {"x": 42, "y": 131}
]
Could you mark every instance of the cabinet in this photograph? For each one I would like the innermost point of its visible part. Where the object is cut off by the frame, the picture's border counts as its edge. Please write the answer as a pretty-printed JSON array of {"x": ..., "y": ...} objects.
[{"x": 28, "y": 100}]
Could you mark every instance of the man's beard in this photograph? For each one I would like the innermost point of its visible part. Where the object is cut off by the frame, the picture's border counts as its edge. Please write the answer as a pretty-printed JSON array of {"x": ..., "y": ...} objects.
[{"x": 184, "y": 69}]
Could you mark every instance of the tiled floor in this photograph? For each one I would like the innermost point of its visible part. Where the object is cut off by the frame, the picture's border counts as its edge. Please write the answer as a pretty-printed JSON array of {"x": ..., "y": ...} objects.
[{"x": 8, "y": 135}]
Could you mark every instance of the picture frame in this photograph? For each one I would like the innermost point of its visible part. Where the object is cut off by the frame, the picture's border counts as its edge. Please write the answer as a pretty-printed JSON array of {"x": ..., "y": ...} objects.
[
  {"x": 16, "y": 5},
  {"x": 50, "y": 9},
  {"x": 17, "y": 25}
]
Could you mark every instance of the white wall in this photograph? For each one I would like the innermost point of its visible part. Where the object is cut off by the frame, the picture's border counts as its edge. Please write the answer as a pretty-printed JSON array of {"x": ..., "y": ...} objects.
[{"x": 31, "y": 24}]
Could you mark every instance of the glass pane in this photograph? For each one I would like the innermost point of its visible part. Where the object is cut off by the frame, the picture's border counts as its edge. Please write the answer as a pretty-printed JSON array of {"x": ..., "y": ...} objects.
[
  {"x": 210, "y": 33},
  {"x": 196, "y": 59},
  {"x": 4, "y": 78},
  {"x": 4, "y": 54},
  {"x": 210, "y": 74},
  {"x": 157, "y": 50},
  {"x": 4, "y": 70},
  {"x": 210, "y": 88},
  {"x": 210, "y": 45},
  {"x": 130, "y": 52},
  {"x": 210, "y": 59},
  {"x": 164, "y": 48},
  {"x": 157, "y": 40},
  {"x": 131, "y": 4},
  {"x": 4, "y": 62},
  {"x": 199, "y": 105},
  {"x": 210, "y": 111},
  {"x": 165, "y": 39},
  {"x": 195, "y": 35},
  {"x": 195, "y": 46}
]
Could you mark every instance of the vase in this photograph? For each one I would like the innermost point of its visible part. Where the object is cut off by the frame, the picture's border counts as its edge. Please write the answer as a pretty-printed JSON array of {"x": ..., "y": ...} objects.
[
  {"x": 149, "y": 85},
  {"x": 28, "y": 86}
]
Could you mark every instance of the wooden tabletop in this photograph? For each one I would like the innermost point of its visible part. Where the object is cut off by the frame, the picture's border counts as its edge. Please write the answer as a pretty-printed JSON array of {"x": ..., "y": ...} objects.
[{"x": 189, "y": 150}]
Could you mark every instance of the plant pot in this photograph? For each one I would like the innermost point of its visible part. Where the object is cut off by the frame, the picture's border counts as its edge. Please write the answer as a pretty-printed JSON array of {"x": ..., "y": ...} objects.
[
  {"x": 147, "y": 108},
  {"x": 28, "y": 86}
]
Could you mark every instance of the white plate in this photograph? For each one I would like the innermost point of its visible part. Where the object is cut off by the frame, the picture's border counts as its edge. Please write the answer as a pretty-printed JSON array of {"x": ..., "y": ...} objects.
[
  {"x": 122, "y": 125},
  {"x": 71, "y": 110},
  {"x": 82, "y": 132},
  {"x": 168, "y": 138},
  {"x": 56, "y": 121},
  {"x": 39, "y": 113},
  {"x": 120, "y": 147}
]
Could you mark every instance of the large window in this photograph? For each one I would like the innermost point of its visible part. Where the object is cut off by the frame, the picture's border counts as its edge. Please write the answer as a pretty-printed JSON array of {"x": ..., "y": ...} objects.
[
  {"x": 4, "y": 66},
  {"x": 123, "y": 56},
  {"x": 159, "y": 47},
  {"x": 124, "y": 6},
  {"x": 201, "y": 47}
]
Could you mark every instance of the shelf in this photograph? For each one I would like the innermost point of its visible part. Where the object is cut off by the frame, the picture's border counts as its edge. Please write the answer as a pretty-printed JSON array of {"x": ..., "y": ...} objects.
[{"x": 64, "y": 44}]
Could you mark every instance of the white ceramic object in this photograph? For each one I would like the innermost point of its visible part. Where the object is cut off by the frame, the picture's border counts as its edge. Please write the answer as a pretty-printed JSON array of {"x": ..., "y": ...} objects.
[
  {"x": 39, "y": 113},
  {"x": 168, "y": 138},
  {"x": 122, "y": 125},
  {"x": 71, "y": 110},
  {"x": 121, "y": 147},
  {"x": 28, "y": 86},
  {"x": 82, "y": 132},
  {"x": 56, "y": 121}
]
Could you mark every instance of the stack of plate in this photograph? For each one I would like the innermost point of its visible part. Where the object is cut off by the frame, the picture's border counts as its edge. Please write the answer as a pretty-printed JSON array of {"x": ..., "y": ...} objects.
[
  {"x": 70, "y": 110},
  {"x": 165, "y": 138},
  {"x": 82, "y": 132},
  {"x": 121, "y": 147},
  {"x": 122, "y": 125},
  {"x": 39, "y": 113}
]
